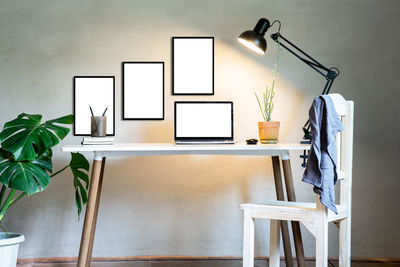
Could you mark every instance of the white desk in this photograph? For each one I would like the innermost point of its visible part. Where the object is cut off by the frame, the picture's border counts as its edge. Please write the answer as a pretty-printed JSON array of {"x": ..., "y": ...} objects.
[{"x": 275, "y": 151}]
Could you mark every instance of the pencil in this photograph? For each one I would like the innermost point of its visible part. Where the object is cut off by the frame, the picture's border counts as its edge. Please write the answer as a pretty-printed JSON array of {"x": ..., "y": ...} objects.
[
  {"x": 91, "y": 111},
  {"x": 104, "y": 113}
]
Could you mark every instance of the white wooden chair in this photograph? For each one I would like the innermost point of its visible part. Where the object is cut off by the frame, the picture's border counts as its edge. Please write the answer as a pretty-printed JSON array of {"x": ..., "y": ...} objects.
[{"x": 314, "y": 216}]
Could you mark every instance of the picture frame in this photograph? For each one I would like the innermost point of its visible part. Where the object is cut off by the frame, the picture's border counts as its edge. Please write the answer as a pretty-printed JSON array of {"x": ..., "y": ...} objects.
[
  {"x": 192, "y": 65},
  {"x": 99, "y": 93},
  {"x": 143, "y": 90}
]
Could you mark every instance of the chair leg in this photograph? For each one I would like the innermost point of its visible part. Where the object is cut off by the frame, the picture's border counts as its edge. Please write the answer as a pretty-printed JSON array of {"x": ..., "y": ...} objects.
[
  {"x": 321, "y": 236},
  {"x": 275, "y": 241},
  {"x": 345, "y": 243},
  {"x": 248, "y": 240}
]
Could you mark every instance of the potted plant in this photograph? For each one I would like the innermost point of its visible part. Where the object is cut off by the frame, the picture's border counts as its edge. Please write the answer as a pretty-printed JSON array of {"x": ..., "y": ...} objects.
[
  {"x": 268, "y": 130},
  {"x": 26, "y": 168}
]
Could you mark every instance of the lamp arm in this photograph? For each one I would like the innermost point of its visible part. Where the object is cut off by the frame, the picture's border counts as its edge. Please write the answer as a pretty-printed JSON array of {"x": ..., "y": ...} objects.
[
  {"x": 278, "y": 35},
  {"x": 329, "y": 73},
  {"x": 303, "y": 56}
]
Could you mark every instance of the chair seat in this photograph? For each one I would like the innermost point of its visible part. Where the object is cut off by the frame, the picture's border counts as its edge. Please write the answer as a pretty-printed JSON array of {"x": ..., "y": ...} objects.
[
  {"x": 275, "y": 203},
  {"x": 290, "y": 211}
]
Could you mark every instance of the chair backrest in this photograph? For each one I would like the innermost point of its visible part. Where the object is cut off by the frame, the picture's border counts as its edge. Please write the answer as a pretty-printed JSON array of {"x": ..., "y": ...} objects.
[{"x": 344, "y": 145}]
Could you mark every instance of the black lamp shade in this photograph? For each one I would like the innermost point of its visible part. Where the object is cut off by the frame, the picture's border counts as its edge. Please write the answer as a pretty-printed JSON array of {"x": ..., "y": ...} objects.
[{"x": 254, "y": 39}]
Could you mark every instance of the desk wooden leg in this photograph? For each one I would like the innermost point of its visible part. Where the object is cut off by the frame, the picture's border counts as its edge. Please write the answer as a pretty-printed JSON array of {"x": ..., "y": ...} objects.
[
  {"x": 92, "y": 206},
  {"x": 298, "y": 242},
  {"x": 284, "y": 224}
]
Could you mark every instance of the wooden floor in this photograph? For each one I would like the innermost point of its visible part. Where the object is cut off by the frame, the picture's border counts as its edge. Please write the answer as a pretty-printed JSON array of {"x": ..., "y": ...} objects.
[{"x": 188, "y": 263}]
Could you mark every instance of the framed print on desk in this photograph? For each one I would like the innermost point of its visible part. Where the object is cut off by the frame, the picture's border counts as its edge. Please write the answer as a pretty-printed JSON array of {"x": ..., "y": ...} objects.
[
  {"x": 192, "y": 65},
  {"x": 143, "y": 90},
  {"x": 98, "y": 92}
]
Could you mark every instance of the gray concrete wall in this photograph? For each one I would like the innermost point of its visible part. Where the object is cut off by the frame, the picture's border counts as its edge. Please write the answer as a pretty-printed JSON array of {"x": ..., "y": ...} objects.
[{"x": 189, "y": 205}]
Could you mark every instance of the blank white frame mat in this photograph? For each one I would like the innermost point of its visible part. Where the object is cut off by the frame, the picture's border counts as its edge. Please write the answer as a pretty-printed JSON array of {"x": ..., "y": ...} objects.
[
  {"x": 99, "y": 93},
  {"x": 193, "y": 65},
  {"x": 203, "y": 120},
  {"x": 143, "y": 90}
]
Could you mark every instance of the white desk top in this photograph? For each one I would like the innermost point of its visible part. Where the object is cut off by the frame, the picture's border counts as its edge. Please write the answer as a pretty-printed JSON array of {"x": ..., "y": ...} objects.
[{"x": 153, "y": 149}]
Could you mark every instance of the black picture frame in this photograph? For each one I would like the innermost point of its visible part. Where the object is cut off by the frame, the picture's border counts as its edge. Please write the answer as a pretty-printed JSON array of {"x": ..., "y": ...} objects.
[
  {"x": 174, "y": 72},
  {"x": 124, "y": 113},
  {"x": 227, "y": 138},
  {"x": 75, "y": 106}
]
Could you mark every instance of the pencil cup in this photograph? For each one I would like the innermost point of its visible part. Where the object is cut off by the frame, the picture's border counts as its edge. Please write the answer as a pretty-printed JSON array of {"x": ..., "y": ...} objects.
[{"x": 98, "y": 126}]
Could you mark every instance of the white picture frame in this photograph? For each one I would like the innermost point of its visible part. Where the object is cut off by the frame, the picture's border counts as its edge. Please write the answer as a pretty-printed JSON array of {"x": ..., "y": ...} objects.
[
  {"x": 143, "y": 90},
  {"x": 98, "y": 92},
  {"x": 193, "y": 65}
]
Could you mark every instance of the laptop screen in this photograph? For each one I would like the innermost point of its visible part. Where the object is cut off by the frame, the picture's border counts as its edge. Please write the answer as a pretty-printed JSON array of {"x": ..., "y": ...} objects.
[{"x": 203, "y": 120}]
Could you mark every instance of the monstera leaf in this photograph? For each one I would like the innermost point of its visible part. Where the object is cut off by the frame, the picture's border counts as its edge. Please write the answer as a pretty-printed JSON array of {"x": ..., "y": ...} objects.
[
  {"x": 27, "y": 137},
  {"x": 27, "y": 176},
  {"x": 25, "y": 159},
  {"x": 79, "y": 165},
  {"x": 44, "y": 161}
]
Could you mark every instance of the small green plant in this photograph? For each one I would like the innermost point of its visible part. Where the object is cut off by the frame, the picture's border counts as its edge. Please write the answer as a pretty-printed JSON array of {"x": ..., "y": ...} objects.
[
  {"x": 26, "y": 164},
  {"x": 267, "y": 105}
]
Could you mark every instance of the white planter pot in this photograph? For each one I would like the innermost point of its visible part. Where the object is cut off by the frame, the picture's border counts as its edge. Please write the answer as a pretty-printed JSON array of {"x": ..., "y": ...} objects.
[{"x": 9, "y": 244}]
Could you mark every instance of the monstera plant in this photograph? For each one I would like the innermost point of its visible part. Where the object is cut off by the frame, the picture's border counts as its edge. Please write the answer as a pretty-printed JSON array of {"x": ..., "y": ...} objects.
[{"x": 26, "y": 160}]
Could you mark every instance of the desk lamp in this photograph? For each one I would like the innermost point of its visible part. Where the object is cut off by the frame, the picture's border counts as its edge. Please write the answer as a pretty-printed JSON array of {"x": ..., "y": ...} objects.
[{"x": 254, "y": 40}]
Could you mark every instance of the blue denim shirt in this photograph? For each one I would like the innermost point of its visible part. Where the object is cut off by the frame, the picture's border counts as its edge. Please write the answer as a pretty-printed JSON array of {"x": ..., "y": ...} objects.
[{"x": 321, "y": 166}]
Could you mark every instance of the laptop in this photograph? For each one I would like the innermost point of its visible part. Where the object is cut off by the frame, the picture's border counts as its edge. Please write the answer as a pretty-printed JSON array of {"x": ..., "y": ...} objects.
[{"x": 203, "y": 122}]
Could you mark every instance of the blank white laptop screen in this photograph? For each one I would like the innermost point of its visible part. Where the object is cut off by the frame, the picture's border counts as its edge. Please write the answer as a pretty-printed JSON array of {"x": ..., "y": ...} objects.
[{"x": 203, "y": 120}]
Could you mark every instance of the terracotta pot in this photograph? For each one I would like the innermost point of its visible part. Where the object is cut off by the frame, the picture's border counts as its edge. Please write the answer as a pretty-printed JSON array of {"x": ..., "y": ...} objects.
[{"x": 268, "y": 131}]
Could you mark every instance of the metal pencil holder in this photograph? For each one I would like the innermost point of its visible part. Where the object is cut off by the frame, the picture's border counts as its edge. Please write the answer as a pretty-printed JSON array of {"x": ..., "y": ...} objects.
[{"x": 98, "y": 126}]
